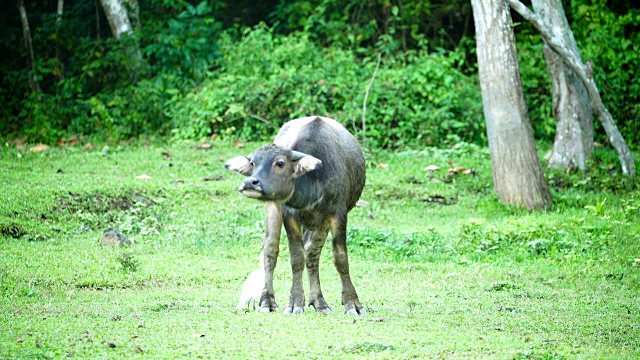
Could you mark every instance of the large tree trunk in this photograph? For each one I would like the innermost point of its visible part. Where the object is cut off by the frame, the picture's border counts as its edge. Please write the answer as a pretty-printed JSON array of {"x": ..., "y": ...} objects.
[
  {"x": 33, "y": 79},
  {"x": 118, "y": 17},
  {"x": 571, "y": 105},
  {"x": 585, "y": 73},
  {"x": 517, "y": 173}
]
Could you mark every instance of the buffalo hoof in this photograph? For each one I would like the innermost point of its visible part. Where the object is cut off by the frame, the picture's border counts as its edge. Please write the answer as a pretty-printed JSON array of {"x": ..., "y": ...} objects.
[
  {"x": 320, "y": 305},
  {"x": 354, "y": 308},
  {"x": 295, "y": 311},
  {"x": 325, "y": 311},
  {"x": 356, "y": 312}
]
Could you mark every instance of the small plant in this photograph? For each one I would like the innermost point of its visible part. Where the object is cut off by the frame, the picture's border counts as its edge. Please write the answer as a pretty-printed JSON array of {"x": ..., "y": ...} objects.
[{"x": 128, "y": 261}]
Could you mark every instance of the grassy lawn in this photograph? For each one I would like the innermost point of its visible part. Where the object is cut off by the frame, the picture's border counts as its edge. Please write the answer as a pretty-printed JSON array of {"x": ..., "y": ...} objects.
[{"x": 444, "y": 270}]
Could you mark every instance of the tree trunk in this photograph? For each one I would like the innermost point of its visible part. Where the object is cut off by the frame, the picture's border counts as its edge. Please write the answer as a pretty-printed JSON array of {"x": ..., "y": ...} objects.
[
  {"x": 33, "y": 79},
  {"x": 571, "y": 105},
  {"x": 585, "y": 73},
  {"x": 118, "y": 17},
  {"x": 59, "y": 71},
  {"x": 59, "y": 14},
  {"x": 135, "y": 9},
  {"x": 98, "y": 28},
  {"x": 517, "y": 173}
]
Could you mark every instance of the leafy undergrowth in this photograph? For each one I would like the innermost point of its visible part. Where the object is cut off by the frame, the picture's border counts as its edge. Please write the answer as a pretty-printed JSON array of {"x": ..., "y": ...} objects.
[{"x": 444, "y": 270}]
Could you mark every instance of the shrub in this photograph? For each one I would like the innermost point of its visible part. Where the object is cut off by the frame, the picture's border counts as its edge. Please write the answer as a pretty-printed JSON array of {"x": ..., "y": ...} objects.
[
  {"x": 615, "y": 64},
  {"x": 264, "y": 80}
]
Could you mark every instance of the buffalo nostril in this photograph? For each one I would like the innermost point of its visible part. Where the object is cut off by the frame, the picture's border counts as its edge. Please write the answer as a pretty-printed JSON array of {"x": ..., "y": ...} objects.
[{"x": 252, "y": 183}]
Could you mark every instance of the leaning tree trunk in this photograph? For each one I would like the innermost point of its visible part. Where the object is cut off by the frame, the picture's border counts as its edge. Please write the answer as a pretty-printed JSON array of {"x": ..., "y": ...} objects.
[
  {"x": 585, "y": 73},
  {"x": 571, "y": 105},
  {"x": 33, "y": 79},
  {"x": 118, "y": 17},
  {"x": 517, "y": 173}
]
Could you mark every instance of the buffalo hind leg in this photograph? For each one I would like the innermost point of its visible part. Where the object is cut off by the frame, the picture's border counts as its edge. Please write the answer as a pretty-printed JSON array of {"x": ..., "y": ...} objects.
[
  {"x": 313, "y": 243},
  {"x": 341, "y": 261},
  {"x": 297, "y": 256}
]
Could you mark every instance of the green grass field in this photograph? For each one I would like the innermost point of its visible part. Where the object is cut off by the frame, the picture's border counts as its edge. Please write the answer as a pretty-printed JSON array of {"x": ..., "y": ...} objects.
[{"x": 444, "y": 270}]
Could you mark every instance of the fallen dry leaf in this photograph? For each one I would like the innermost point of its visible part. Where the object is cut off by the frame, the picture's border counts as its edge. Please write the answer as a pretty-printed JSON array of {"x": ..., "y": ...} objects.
[
  {"x": 383, "y": 165},
  {"x": 166, "y": 154},
  {"x": 432, "y": 168},
  {"x": 39, "y": 148},
  {"x": 72, "y": 140},
  {"x": 88, "y": 147},
  {"x": 204, "y": 146},
  {"x": 144, "y": 177},
  {"x": 211, "y": 178},
  {"x": 457, "y": 170},
  {"x": 362, "y": 203},
  {"x": 238, "y": 144},
  {"x": 21, "y": 147}
]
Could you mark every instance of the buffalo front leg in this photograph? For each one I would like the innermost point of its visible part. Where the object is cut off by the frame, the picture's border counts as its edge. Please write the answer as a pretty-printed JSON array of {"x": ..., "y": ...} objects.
[
  {"x": 271, "y": 246},
  {"x": 296, "y": 251},
  {"x": 313, "y": 243},
  {"x": 341, "y": 261}
]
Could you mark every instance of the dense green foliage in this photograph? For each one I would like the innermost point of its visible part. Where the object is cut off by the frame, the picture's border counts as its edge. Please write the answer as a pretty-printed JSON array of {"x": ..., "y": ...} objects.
[
  {"x": 240, "y": 70},
  {"x": 442, "y": 267},
  {"x": 417, "y": 96}
]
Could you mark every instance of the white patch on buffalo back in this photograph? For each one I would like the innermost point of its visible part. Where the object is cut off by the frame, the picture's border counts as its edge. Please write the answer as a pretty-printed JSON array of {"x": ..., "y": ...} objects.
[{"x": 291, "y": 130}]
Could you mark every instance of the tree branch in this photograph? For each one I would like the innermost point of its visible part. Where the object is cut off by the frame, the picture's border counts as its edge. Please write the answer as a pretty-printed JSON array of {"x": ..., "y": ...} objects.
[
  {"x": 585, "y": 74},
  {"x": 364, "y": 103}
]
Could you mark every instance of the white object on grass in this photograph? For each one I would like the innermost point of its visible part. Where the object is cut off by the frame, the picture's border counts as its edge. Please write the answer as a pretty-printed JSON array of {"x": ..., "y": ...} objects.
[{"x": 252, "y": 288}]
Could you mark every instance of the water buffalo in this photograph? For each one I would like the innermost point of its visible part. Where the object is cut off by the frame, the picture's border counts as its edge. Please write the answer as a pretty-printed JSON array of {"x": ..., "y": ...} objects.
[{"x": 309, "y": 178}]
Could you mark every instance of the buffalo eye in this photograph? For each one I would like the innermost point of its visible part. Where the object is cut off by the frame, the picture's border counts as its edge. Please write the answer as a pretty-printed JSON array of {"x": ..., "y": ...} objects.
[
  {"x": 253, "y": 164},
  {"x": 280, "y": 164}
]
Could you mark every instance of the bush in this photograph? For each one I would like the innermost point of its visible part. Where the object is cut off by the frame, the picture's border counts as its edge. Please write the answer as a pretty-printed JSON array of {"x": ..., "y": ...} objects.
[
  {"x": 264, "y": 80},
  {"x": 616, "y": 64}
]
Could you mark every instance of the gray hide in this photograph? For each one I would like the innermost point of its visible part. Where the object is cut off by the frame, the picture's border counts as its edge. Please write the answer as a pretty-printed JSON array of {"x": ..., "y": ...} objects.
[{"x": 309, "y": 179}]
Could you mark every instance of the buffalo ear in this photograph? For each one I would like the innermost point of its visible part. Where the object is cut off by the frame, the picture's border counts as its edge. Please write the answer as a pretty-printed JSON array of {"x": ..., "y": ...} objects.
[
  {"x": 305, "y": 164},
  {"x": 240, "y": 164}
]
